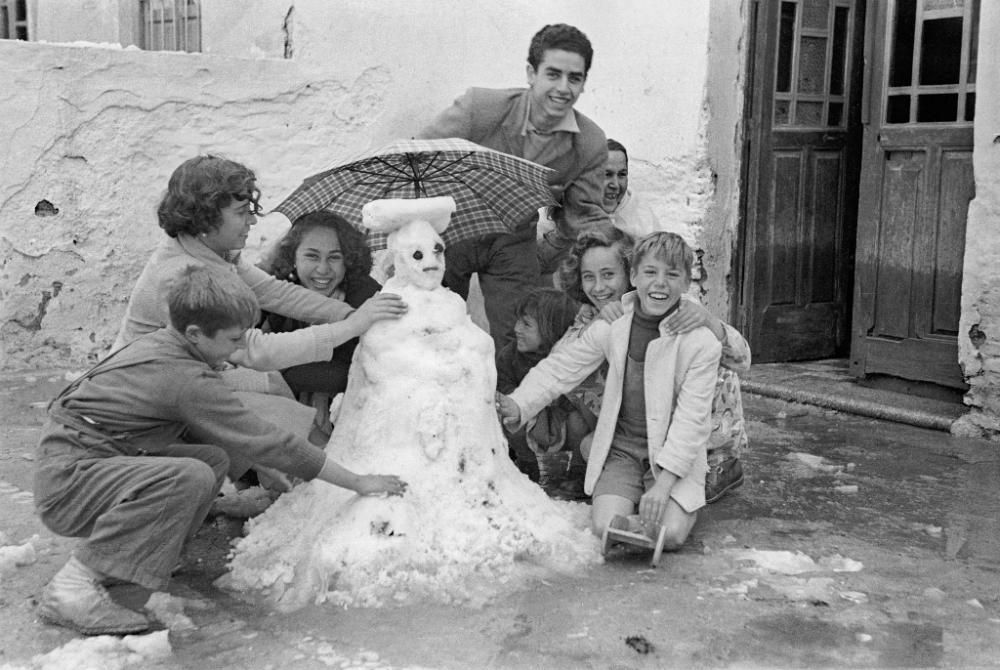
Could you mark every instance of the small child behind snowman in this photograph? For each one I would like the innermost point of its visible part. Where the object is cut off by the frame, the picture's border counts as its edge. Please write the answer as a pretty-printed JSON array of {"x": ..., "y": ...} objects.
[{"x": 542, "y": 318}]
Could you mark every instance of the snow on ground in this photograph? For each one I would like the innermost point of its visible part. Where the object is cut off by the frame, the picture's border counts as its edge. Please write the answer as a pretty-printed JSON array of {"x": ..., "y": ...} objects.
[{"x": 103, "y": 652}]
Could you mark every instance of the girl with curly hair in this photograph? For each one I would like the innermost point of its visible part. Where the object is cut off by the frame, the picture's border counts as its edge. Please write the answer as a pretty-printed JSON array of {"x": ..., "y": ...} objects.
[
  {"x": 323, "y": 253},
  {"x": 210, "y": 205}
]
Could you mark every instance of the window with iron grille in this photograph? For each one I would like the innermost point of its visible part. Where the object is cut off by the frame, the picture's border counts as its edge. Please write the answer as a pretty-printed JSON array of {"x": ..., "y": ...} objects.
[
  {"x": 13, "y": 19},
  {"x": 170, "y": 25}
]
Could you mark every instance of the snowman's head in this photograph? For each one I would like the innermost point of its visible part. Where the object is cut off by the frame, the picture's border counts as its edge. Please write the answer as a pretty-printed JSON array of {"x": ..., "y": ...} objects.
[
  {"x": 414, "y": 228},
  {"x": 418, "y": 254}
]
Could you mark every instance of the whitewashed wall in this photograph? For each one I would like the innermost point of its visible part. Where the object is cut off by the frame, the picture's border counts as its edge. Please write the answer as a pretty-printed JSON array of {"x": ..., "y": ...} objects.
[
  {"x": 98, "y": 131},
  {"x": 979, "y": 329}
]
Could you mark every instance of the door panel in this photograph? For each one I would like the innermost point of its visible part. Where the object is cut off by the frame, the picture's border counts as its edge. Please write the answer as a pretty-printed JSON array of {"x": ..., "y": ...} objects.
[
  {"x": 916, "y": 185},
  {"x": 804, "y": 142}
]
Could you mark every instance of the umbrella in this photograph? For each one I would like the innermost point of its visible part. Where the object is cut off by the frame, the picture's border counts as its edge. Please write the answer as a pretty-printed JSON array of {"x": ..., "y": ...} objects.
[{"x": 494, "y": 192}]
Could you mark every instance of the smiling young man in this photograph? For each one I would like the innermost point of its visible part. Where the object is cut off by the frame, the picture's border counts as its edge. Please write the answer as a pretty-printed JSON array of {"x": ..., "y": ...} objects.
[{"x": 538, "y": 123}]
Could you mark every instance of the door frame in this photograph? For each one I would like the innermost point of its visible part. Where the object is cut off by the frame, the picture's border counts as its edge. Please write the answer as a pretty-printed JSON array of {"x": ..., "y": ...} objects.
[
  {"x": 758, "y": 112},
  {"x": 871, "y": 356}
]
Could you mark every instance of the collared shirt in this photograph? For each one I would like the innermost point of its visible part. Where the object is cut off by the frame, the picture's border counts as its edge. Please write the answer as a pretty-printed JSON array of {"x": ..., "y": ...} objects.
[{"x": 538, "y": 141}]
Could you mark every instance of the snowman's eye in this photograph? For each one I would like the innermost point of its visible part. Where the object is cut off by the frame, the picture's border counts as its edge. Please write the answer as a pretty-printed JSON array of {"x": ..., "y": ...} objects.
[
  {"x": 438, "y": 248},
  {"x": 418, "y": 255}
]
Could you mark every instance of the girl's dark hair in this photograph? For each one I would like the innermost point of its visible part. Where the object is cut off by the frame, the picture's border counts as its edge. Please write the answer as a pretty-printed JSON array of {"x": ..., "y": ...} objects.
[
  {"x": 198, "y": 191},
  {"x": 357, "y": 254},
  {"x": 553, "y": 310},
  {"x": 569, "y": 269}
]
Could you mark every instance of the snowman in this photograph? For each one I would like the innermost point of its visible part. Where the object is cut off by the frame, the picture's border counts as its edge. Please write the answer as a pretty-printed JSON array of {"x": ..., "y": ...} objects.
[{"x": 419, "y": 403}]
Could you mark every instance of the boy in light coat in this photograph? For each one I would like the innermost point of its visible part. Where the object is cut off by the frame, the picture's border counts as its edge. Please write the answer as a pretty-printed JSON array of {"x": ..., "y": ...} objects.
[{"x": 649, "y": 447}]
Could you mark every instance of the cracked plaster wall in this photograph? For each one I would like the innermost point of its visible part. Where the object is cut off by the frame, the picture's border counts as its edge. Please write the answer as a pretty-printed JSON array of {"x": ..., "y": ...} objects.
[
  {"x": 98, "y": 131},
  {"x": 979, "y": 327}
]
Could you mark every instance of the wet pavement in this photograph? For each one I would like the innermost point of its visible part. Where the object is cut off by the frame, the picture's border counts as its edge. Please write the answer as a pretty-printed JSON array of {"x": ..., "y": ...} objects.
[{"x": 855, "y": 542}]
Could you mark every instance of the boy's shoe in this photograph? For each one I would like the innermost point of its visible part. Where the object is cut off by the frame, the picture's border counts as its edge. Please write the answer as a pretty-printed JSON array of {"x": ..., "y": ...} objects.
[
  {"x": 75, "y": 599},
  {"x": 723, "y": 478}
]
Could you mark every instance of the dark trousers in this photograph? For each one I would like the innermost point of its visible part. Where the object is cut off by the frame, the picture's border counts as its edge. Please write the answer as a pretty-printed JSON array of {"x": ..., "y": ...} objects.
[
  {"x": 321, "y": 377},
  {"x": 507, "y": 265},
  {"x": 134, "y": 512}
]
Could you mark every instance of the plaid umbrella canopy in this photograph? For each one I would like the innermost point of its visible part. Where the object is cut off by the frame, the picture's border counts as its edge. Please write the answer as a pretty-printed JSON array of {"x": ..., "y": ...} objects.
[{"x": 494, "y": 192}]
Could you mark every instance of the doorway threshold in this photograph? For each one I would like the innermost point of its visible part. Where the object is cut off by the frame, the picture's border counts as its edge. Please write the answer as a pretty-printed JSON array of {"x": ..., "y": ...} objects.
[{"x": 828, "y": 383}]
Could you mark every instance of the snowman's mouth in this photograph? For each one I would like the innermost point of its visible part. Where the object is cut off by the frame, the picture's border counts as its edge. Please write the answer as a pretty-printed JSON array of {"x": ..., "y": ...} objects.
[{"x": 432, "y": 268}]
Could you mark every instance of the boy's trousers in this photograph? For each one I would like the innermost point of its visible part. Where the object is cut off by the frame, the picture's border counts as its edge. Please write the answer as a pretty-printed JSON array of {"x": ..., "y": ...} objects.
[{"x": 134, "y": 511}]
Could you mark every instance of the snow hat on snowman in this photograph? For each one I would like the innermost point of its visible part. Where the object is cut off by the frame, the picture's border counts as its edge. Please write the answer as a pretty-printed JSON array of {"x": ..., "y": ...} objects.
[{"x": 414, "y": 228}]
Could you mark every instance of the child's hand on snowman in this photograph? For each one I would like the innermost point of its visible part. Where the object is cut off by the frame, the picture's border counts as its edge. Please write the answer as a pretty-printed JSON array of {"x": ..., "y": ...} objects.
[
  {"x": 380, "y": 306},
  {"x": 507, "y": 411},
  {"x": 368, "y": 485}
]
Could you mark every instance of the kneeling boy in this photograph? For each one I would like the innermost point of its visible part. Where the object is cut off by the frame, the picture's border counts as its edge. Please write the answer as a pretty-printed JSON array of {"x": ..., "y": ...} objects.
[
  {"x": 135, "y": 451},
  {"x": 648, "y": 450}
]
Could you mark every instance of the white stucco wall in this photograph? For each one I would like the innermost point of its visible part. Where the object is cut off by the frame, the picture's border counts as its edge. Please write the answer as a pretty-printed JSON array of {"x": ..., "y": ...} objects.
[
  {"x": 979, "y": 329},
  {"x": 86, "y": 21},
  {"x": 97, "y": 134},
  {"x": 100, "y": 130}
]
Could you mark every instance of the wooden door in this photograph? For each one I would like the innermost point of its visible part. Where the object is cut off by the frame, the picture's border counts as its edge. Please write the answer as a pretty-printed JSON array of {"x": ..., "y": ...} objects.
[
  {"x": 916, "y": 185},
  {"x": 802, "y": 178}
]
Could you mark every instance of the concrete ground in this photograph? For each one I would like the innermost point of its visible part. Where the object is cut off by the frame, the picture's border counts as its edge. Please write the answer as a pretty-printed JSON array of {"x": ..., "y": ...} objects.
[{"x": 855, "y": 542}]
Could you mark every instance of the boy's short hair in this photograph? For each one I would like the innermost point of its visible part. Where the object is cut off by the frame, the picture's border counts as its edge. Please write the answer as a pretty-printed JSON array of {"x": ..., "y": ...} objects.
[
  {"x": 553, "y": 310},
  {"x": 560, "y": 36},
  {"x": 198, "y": 190},
  {"x": 667, "y": 247},
  {"x": 212, "y": 300},
  {"x": 569, "y": 270}
]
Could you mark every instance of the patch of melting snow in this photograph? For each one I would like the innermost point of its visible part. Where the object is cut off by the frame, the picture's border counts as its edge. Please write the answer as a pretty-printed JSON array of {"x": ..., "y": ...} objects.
[
  {"x": 814, "y": 462},
  {"x": 169, "y": 610},
  {"x": 800, "y": 589},
  {"x": 838, "y": 563},
  {"x": 103, "y": 652},
  {"x": 16, "y": 556},
  {"x": 328, "y": 655},
  {"x": 930, "y": 529},
  {"x": 856, "y": 597},
  {"x": 789, "y": 562},
  {"x": 780, "y": 561},
  {"x": 737, "y": 589},
  {"x": 779, "y": 570}
]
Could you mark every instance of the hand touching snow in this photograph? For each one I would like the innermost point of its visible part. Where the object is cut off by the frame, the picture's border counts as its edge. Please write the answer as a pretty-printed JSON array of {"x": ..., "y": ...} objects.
[
  {"x": 368, "y": 485},
  {"x": 508, "y": 411},
  {"x": 380, "y": 306},
  {"x": 335, "y": 473}
]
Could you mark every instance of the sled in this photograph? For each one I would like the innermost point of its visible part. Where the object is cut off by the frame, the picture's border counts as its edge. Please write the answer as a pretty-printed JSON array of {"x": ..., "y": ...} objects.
[{"x": 630, "y": 530}]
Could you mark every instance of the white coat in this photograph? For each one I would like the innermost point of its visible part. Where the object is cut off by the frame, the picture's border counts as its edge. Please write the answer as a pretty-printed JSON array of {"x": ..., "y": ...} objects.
[{"x": 679, "y": 380}]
